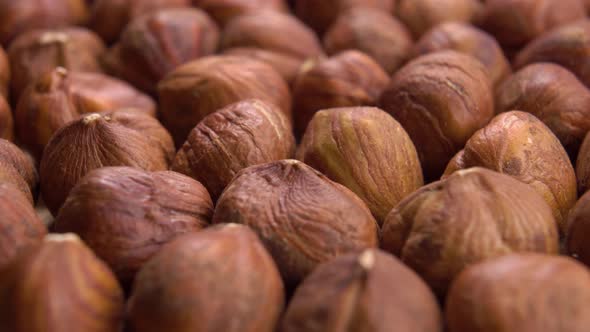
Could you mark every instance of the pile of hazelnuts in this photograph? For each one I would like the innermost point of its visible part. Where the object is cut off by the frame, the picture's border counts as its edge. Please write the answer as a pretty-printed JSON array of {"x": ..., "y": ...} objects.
[{"x": 294, "y": 166}]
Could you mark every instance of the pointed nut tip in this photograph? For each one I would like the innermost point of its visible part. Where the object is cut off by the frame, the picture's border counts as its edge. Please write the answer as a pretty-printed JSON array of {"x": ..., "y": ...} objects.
[
  {"x": 367, "y": 259},
  {"x": 62, "y": 237}
]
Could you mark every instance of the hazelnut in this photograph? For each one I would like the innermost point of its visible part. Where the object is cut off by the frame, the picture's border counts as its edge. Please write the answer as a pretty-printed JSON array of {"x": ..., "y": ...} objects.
[
  {"x": 368, "y": 291},
  {"x": 223, "y": 11},
  {"x": 243, "y": 134},
  {"x": 34, "y": 53},
  {"x": 97, "y": 140},
  {"x": 108, "y": 18},
  {"x": 22, "y": 15},
  {"x": 286, "y": 65},
  {"x": 350, "y": 78},
  {"x": 4, "y": 73},
  {"x": 473, "y": 215},
  {"x": 372, "y": 31},
  {"x": 587, "y": 5},
  {"x": 440, "y": 99},
  {"x": 583, "y": 166},
  {"x": 204, "y": 86},
  {"x": 61, "y": 96},
  {"x": 521, "y": 292},
  {"x": 366, "y": 150},
  {"x": 518, "y": 144},
  {"x": 220, "y": 279},
  {"x": 18, "y": 169},
  {"x": 6, "y": 120},
  {"x": 302, "y": 217},
  {"x": 465, "y": 38},
  {"x": 577, "y": 232},
  {"x": 60, "y": 285},
  {"x": 126, "y": 214},
  {"x": 154, "y": 44}
]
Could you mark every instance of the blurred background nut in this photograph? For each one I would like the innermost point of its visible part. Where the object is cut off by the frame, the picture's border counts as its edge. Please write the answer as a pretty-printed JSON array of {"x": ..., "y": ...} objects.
[
  {"x": 18, "y": 169},
  {"x": 350, "y": 78},
  {"x": 440, "y": 99},
  {"x": 97, "y": 140},
  {"x": 577, "y": 232},
  {"x": 583, "y": 166},
  {"x": 355, "y": 292},
  {"x": 61, "y": 96},
  {"x": 222, "y": 11},
  {"x": 547, "y": 293},
  {"x": 518, "y": 144},
  {"x": 4, "y": 73},
  {"x": 286, "y": 65},
  {"x": 243, "y": 134},
  {"x": 79, "y": 292},
  {"x": 302, "y": 217},
  {"x": 206, "y": 85},
  {"x": 154, "y": 44},
  {"x": 6, "y": 120},
  {"x": 220, "y": 279},
  {"x": 473, "y": 215},
  {"x": 366, "y": 150},
  {"x": 465, "y": 38}
]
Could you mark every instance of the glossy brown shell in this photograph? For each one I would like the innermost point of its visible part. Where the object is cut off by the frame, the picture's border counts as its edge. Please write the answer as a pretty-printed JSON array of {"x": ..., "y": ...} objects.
[
  {"x": 6, "y": 120},
  {"x": 18, "y": 169},
  {"x": 577, "y": 232},
  {"x": 5, "y": 73},
  {"x": 422, "y": 15}
]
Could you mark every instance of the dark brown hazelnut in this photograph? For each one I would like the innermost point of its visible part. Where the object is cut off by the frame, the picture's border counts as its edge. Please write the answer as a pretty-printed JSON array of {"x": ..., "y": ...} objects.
[
  {"x": 350, "y": 78},
  {"x": 220, "y": 279},
  {"x": 61, "y": 96},
  {"x": 577, "y": 232},
  {"x": 34, "y": 53},
  {"x": 286, "y": 65},
  {"x": 154, "y": 44},
  {"x": 366, "y": 150},
  {"x": 109, "y": 17},
  {"x": 440, "y": 99},
  {"x": 372, "y": 31},
  {"x": 4, "y": 73},
  {"x": 18, "y": 169},
  {"x": 18, "y": 16},
  {"x": 518, "y": 144},
  {"x": 6, "y": 120},
  {"x": 368, "y": 291},
  {"x": 97, "y": 140},
  {"x": 243, "y": 134},
  {"x": 302, "y": 217},
  {"x": 465, "y": 38},
  {"x": 473, "y": 215},
  {"x": 204, "y": 86},
  {"x": 583, "y": 166},
  {"x": 521, "y": 292},
  {"x": 587, "y": 5},
  {"x": 223, "y": 11},
  {"x": 60, "y": 285}
]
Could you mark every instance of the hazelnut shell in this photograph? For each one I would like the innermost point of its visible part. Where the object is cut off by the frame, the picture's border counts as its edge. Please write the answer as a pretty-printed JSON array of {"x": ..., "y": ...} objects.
[
  {"x": 576, "y": 241},
  {"x": 583, "y": 166},
  {"x": 222, "y": 11},
  {"x": 18, "y": 169},
  {"x": 287, "y": 66}
]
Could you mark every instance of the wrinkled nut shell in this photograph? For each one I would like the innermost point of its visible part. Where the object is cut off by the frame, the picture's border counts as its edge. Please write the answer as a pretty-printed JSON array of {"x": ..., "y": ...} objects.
[
  {"x": 225, "y": 10},
  {"x": 421, "y": 15},
  {"x": 18, "y": 169}
]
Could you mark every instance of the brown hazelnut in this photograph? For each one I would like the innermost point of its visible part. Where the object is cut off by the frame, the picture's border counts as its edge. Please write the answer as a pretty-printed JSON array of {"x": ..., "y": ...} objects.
[
  {"x": 286, "y": 65},
  {"x": 154, "y": 44},
  {"x": 440, "y": 99},
  {"x": 220, "y": 279},
  {"x": 577, "y": 232},
  {"x": 34, "y": 53},
  {"x": 350, "y": 78},
  {"x": 223, "y": 11},
  {"x": 18, "y": 16},
  {"x": 302, "y": 217},
  {"x": 473, "y": 215},
  {"x": 366, "y": 150},
  {"x": 587, "y": 5},
  {"x": 465, "y": 38},
  {"x": 61, "y": 96},
  {"x": 583, "y": 166},
  {"x": 97, "y": 140},
  {"x": 368, "y": 291},
  {"x": 372, "y": 31},
  {"x": 518, "y": 144},
  {"x": 60, "y": 285},
  {"x": 17, "y": 169},
  {"x": 521, "y": 292},
  {"x": 240, "y": 135},
  {"x": 126, "y": 214},
  {"x": 4, "y": 73},
  {"x": 6, "y": 120},
  {"x": 204, "y": 86},
  {"x": 109, "y": 17}
]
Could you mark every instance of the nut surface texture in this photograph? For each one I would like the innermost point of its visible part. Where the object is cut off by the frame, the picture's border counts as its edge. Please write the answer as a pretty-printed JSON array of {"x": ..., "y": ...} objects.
[{"x": 18, "y": 169}]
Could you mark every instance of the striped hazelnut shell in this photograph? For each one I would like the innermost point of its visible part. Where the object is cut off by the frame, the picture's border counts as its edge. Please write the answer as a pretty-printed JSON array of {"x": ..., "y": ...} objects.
[
  {"x": 422, "y": 15},
  {"x": 18, "y": 169}
]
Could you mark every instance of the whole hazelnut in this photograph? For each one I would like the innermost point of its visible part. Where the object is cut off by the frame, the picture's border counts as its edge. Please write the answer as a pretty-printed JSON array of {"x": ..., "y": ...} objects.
[
  {"x": 19, "y": 16},
  {"x": 518, "y": 144},
  {"x": 97, "y": 140},
  {"x": 366, "y": 150},
  {"x": 222, "y": 11},
  {"x": 6, "y": 120},
  {"x": 547, "y": 293},
  {"x": 243, "y": 134},
  {"x": 286, "y": 65},
  {"x": 368, "y": 291},
  {"x": 473, "y": 215},
  {"x": 61, "y": 96},
  {"x": 220, "y": 279},
  {"x": 60, "y": 285},
  {"x": 126, "y": 214},
  {"x": 34, "y": 53},
  {"x": 440, "y": 99},
  {"x": 350, "y": 78},
  {"x": 372, "y": 31},
  {"x": 154, "y": 44},
  {"x": 465, "y": 38},
  {"x": 554, "y": 95},
  {"x": 302, "y": 217},
  {"x": 577, "y": 232},
  {"x": 4, "y": 73},
  {"x": 204, "y": 86},
  {"x": 583, "y": 166},
  {"x": 18, "y": 169}
]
